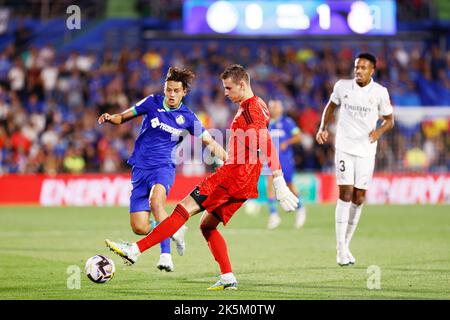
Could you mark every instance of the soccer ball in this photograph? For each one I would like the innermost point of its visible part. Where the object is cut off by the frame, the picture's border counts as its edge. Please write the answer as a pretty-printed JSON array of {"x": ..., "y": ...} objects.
[{"x": 100, "y": 269}]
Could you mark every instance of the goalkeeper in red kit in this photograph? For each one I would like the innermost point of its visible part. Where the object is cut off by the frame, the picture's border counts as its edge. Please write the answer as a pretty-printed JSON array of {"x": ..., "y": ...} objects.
[{"x": 222, "y": 193}]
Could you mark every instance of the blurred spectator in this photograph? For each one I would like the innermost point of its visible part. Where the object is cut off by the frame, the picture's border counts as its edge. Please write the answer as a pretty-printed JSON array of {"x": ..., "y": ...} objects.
[
  {"x": 19, "y": 142},
  {"x": 385, "y": 159},
  {"x": 415, "y": 158},
  {"x": 218, "y": 111},
  {"x": 309, "y": 121},
  {"x": 152, "y": 59},
  {"x": 16, "y": 76},
  {"x": 21, "y": 35},
  {"x": 110, "y": 161},
  {"x": 49, "y": 76},
  {"x": 73, "y": 161}
]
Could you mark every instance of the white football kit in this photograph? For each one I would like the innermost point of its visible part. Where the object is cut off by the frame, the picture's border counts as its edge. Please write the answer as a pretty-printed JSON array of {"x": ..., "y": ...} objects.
[{"x": 359, "y": 110}]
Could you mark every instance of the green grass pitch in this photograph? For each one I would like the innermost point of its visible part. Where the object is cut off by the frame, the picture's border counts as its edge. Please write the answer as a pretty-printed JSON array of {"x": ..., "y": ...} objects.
[{"x": 409, "y": 244}]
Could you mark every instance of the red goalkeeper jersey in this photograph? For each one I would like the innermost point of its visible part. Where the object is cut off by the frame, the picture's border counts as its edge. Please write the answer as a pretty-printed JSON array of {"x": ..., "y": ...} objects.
[{"x": 249, "y": 143}]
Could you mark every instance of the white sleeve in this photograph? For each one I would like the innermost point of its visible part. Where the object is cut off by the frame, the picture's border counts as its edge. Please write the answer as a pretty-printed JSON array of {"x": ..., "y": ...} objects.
[
  {"x": 385, "y": 107},
  {"x": 335, "y": 95}
]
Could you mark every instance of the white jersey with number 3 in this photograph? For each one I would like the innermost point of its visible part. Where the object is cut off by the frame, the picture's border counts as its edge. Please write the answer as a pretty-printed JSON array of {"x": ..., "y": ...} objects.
[{"x": 359, "y": 111}]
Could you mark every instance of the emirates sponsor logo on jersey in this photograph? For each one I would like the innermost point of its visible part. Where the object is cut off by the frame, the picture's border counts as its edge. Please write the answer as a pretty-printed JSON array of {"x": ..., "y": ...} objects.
[{"x": 357, "y": 110}]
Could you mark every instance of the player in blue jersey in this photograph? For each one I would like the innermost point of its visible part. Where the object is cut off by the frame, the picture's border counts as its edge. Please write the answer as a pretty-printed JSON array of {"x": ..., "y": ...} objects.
[
  {"x": 285, "y": 133},
  {"x": 165, "y": 121}
]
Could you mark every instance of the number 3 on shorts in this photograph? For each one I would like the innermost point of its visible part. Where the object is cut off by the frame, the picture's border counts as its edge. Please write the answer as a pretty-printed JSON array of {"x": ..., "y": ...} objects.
[{"x": 342, "y": 167}]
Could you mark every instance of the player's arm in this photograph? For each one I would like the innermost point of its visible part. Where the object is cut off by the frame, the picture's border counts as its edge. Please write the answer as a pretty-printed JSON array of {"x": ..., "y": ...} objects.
[
  {"x": 327, "y": 116},
  {"x": 288, "y": 200},
  {"x": 386, "y": 111},
  {"x": 296, "y": 138},
  {"x": 269, "y": 153},
  {"x": 215, "y": 148},
  {"x": 118, "y": 118},
  {"x": 386, "y": 125}
]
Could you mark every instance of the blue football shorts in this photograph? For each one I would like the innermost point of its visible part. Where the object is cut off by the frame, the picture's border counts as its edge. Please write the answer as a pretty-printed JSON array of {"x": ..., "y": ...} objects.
[
  {"x": 143, "y": 180},
  {"x": 288, "y": 167}
]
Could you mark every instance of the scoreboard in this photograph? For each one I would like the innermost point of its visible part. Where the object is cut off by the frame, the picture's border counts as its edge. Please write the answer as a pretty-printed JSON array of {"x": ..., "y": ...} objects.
[{"x": 289, "y": 17}]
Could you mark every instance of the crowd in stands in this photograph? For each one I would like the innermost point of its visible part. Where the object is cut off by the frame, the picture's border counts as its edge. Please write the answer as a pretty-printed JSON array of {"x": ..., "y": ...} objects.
[{"x": 50, "y": 101}]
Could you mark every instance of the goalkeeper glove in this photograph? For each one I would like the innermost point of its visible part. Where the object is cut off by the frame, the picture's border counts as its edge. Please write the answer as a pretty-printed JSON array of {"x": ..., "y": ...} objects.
[{"x": 288, "y": 200}]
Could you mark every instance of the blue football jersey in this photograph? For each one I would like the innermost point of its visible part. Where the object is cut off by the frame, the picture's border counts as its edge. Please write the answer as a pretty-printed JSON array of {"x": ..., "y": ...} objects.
[
  {"x": 161, "y": 131},
  {"x": 282, "y": 130}
]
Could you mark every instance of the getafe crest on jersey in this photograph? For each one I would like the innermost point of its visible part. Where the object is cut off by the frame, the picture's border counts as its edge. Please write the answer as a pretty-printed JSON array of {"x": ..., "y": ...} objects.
[
  {"x": 180, "y": 120},
  {"x": 155, "y": 122}
]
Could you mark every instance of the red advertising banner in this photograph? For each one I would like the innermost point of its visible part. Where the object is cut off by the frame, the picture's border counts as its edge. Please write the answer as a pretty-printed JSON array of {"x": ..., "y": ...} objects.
[
  {"x": 114, "y": 189},
  {"x": 327, "y": 191},
  {"x": 409, "y": 189},
  {"x": 398, "y": 188},
  {"x": 78, "y": 190}
]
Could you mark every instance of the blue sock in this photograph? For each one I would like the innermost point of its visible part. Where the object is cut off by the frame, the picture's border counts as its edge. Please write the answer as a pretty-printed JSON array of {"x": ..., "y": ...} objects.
[
  {"x": 272, "y": 206},
  {"x": 165, "y": 244}
]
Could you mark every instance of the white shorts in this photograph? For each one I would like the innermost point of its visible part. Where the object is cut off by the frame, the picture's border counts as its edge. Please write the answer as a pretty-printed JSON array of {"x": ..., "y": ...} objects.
[{"x": 353, "y": 170}]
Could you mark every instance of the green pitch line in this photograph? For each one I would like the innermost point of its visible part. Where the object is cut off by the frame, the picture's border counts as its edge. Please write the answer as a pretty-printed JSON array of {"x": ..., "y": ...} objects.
[{"x": 410, "y": 246}]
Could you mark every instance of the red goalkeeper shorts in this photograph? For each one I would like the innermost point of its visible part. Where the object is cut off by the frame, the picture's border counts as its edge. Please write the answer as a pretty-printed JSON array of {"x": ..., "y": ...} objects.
[{"x": 218, "y": 202}]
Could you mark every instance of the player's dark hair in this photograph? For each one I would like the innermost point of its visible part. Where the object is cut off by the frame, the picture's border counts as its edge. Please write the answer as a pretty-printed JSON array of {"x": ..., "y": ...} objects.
[
  {"x": 185, "y": 76},
  {"x": 236, "y": 72},
  {"x": 368, "y": 56}
]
